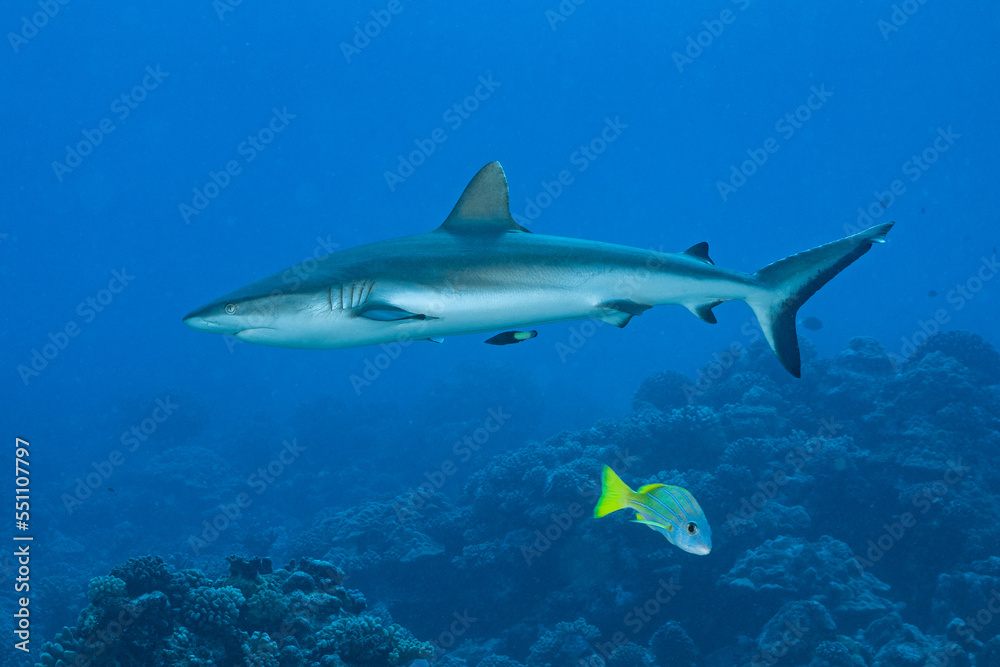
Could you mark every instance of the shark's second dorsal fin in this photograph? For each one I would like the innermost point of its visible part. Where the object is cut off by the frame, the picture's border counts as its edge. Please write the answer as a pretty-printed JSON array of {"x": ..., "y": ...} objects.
[{"x": 484, "y": 207}]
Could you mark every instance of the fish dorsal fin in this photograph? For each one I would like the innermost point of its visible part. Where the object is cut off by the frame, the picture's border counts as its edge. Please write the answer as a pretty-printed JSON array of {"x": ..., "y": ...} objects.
[
  {"x": 484, "y": 207},
  {"x": 649, "y": 487},
  {"x": 700, "y": 251}
]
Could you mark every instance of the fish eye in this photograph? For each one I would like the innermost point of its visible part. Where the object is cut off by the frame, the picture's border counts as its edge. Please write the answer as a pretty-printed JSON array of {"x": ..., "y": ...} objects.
[
  {"x": 230, "y": 308},
  {"x": 692, "y": 528}
]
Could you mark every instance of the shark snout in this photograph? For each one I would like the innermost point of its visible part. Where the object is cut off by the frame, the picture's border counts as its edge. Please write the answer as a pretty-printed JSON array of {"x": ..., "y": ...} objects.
[{"x": 206, "y": 319}]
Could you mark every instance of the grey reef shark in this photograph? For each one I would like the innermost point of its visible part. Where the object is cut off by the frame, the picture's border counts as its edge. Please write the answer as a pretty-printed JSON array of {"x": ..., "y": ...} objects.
[{"x": 482, "y": 272}]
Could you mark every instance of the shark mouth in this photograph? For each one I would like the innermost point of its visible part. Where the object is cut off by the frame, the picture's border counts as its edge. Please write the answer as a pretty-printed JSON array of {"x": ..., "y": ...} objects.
[{"x": 253, "y": 335}]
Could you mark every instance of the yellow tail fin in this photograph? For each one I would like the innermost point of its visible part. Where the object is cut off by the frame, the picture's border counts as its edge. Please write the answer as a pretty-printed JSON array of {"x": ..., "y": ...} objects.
[{"x": 615, "y": 494}]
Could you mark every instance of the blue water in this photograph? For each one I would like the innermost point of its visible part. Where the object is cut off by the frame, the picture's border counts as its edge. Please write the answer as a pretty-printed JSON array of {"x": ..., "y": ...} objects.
[{"x": 158, "y": 157}]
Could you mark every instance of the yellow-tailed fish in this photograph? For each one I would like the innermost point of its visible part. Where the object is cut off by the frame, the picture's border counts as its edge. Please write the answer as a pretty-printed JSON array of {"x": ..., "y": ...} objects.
[{"x": 670, "y": 510}]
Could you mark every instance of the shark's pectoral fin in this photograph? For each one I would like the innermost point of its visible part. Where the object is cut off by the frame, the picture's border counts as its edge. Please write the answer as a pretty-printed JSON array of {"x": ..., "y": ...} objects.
[
  {"x": 383, "y": 312},
  {"x": 703, "y": 311},
  {"x": 620, "y": 311}
]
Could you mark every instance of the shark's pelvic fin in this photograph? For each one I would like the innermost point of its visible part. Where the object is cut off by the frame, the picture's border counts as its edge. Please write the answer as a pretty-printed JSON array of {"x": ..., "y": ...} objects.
[
  {"x": 700, "y": 251},
  {"x": 620, "y": 311},
  {"x": 484, "y": 207},
  {"x": 787, "y": 283}
]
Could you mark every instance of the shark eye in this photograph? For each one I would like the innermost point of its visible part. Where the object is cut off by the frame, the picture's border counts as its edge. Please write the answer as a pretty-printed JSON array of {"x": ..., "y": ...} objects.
[
  {"x": 691, "y": 528},
  {"x": 230, "y": 308}
]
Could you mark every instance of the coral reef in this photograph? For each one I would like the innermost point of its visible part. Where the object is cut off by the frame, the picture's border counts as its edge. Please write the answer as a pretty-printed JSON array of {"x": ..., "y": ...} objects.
[
  {"x": 789, "y": 568},
  {"x": 855, "y": 517},
  {"x": 130, "y": 621}
]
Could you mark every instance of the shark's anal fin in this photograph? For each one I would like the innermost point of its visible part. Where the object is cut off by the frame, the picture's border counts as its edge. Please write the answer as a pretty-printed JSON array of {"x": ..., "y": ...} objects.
[
  {"x": 620, "y": 311},
  {"x": 700, "y": 251},
  {"x": 384, "y": 312},
  {"x": 703, "y": 311},
  {"x": 484, "y": 207}
]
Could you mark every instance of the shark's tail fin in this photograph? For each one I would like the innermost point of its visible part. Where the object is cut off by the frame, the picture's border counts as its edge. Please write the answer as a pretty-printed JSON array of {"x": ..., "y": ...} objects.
[{"x": 787, "y": 284}]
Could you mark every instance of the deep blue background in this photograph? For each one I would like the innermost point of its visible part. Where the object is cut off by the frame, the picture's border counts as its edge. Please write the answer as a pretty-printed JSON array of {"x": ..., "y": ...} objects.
[{"x": 323, "y": 177}]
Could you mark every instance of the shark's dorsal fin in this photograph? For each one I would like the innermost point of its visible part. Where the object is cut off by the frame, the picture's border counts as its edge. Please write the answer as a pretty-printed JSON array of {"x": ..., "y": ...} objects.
[
  {"x": 484, "y": 207},
  {"x": 700, "y": 251}
]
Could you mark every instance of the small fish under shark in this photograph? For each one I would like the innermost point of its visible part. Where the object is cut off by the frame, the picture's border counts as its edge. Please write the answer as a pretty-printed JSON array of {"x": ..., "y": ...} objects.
[{"x": 482, "y": 272}]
